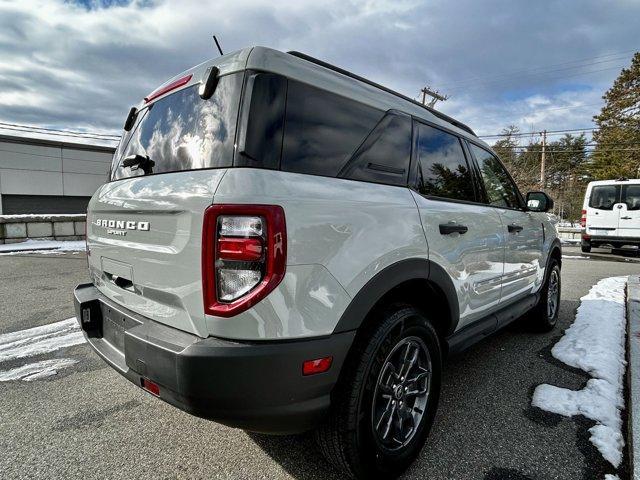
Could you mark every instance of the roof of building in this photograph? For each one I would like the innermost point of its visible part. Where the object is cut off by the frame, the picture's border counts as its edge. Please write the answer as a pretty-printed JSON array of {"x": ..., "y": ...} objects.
[{"x": 59, "y": 140}]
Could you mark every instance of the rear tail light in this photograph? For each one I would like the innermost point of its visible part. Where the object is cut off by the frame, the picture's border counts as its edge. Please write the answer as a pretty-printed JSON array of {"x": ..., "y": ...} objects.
[
  {"x": 583, "y": 220},
  {"x": 244, "y": 251}
]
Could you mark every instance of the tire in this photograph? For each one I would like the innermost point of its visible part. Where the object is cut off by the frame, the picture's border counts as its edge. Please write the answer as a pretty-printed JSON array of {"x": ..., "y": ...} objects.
[
  {"x": 357, "y": 437},
  {"x": 544, "y": 315},
  {"x": 586, "y": 248}
]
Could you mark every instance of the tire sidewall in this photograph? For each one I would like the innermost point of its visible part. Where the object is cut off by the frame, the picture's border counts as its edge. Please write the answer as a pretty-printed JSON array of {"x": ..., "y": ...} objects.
[
  {"x": 377, "y": 461},
  {"x": 552, "y": 321}
]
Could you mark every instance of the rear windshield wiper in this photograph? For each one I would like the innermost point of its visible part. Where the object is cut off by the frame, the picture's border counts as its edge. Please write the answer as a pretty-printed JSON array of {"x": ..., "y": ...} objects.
[{"x": 139, "y": 161}]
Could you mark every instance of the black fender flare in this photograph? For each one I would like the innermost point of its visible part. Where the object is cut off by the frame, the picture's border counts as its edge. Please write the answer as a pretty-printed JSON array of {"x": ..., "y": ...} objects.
[
  {"x": 556, "y": 244},
  {"x": 391, "y": 277}
]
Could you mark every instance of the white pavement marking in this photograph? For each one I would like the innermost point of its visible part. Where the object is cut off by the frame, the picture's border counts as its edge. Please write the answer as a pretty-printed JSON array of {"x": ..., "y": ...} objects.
[
  {"x": 595, "y": 343},
  {"x": 37, "y": 370}
]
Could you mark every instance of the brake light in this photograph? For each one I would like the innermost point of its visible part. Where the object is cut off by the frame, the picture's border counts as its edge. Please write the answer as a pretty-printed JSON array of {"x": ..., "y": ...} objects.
[
  {"x": 167, "y": 88},
  {"x": 583, "y": 220},
  {"x": 244, "y": 251}
]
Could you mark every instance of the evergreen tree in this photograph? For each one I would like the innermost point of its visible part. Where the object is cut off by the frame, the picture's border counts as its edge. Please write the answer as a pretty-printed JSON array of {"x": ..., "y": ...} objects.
[{"x": 617, "y": 152}]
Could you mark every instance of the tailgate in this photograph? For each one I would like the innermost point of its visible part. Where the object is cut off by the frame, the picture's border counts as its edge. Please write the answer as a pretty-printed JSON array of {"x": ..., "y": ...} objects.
[{"x": 144, "y": 236}]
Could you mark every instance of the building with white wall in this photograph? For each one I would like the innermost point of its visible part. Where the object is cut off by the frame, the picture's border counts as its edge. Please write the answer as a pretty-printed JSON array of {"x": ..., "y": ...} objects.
[{"x": 51, "y": 174}]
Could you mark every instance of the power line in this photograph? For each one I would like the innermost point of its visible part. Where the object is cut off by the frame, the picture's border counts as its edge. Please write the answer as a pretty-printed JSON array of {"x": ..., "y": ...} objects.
[
  {"x": 523, "y": 134},
  {"x": 550, "y": 79},
  {"x": 501, "y": 77},
  {"x": 527, "y": 70}
]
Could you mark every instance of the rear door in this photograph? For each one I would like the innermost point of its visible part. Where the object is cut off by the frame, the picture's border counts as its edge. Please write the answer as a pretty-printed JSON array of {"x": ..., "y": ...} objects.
[
  {"x": 522, "y": 230},
  {"x": 603, "y": 210},
  {"x": 629, "y": 213},
  {"x": 464, "y": 236},
  {"x": 145, "y": 227}
]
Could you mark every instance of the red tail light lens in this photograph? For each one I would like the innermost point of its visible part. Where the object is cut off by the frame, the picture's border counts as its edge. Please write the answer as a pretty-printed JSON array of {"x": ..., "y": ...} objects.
[
  {"x": 583, "y": 220},
  {"x": 244, "y": 251}
]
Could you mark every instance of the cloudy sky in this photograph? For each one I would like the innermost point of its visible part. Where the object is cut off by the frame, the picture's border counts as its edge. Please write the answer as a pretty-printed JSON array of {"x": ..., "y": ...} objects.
[{"x": 80, "y": 65}]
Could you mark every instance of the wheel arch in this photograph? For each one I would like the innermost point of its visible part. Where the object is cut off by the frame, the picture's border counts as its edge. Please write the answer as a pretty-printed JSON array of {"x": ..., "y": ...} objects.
[{"x": 418, "y": 282}]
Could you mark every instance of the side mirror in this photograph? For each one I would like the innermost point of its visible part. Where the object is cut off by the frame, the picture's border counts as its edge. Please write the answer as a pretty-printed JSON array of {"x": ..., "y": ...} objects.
[{"x": 539, "y": 202}]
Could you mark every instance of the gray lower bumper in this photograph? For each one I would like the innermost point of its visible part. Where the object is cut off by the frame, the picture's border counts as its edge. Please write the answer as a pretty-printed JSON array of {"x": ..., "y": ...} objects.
[{"x": 255, "y": 386}]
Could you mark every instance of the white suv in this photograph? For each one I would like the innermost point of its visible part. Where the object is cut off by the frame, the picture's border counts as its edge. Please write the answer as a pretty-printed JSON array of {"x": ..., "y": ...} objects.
[
  {"x": 286, "y": 246},
  {"x": 611, "y": 214}
]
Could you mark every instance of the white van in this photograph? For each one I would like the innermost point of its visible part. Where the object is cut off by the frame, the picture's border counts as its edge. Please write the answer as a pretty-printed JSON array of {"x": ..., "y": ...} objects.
[{"x": 611, "y": 214}]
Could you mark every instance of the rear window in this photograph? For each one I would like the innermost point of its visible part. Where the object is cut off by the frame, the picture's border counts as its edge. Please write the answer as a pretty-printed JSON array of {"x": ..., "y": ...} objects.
[
  {"x": 184, "y": 132},
  {"x": 631, "y": 196},
  {"x": 322, "y": 130},
  {"x": 604, "y": 197}
]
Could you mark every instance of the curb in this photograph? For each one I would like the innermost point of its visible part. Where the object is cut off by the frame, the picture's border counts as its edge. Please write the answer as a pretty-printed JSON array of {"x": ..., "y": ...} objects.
[{"x": 633, "y": 372}]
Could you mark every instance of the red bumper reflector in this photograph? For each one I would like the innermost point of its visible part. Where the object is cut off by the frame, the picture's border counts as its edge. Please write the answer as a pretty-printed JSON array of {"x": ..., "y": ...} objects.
[
  {"x": 319, "y": 365},
  {"x": 152, "y": 388},
  {"x": 244, "y": 249}
]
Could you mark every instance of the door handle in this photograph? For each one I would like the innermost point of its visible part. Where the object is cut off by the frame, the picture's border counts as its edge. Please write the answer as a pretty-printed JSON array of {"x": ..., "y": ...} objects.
[
  {"x": 625, "y": 218},
  {"x": 513, "y": 228},
  {"x": 452, "y": 227}
]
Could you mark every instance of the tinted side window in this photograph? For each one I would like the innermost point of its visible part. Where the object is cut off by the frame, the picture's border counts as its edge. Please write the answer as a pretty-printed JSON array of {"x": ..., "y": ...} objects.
[
  {"x": 322, "y": 130},
  {"x": 262, "y": 121},
  {"x": 631, "y": 196},
  {"x": 604, "y": 197},
  {"x": 442, "y": 168},
  {"x": 385, "y": 155},
  {"x": 500, "y": 189}
]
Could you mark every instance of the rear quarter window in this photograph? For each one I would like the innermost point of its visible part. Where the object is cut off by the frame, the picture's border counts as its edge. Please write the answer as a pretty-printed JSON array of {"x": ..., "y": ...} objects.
[
  {"x": 322, "y": 130},
  {"x": 385, "y": 155}
]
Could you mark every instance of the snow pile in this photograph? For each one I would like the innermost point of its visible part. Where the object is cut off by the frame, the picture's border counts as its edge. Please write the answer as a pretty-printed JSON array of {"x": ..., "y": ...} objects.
[
  {"x": 37, "y": 370},
  {"x": 42, "y": 246},
  {"x": 594, "y": 343},
  {"x": 36, "y": 341}
]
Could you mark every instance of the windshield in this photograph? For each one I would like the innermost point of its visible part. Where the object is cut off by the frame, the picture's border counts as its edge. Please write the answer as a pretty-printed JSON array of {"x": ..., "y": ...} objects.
[{"x": 183, "y": 132}]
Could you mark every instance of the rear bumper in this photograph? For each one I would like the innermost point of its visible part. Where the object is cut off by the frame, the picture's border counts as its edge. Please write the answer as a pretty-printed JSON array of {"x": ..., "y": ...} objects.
[
  {"x": 602, "y": 239},
  {"x": 254, "y": 386}
]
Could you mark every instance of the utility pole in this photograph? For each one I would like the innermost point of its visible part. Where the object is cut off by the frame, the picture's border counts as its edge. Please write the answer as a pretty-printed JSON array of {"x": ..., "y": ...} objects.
[
  {"x": 544, "y": 147},
  {"x": 434, "y": 94}
]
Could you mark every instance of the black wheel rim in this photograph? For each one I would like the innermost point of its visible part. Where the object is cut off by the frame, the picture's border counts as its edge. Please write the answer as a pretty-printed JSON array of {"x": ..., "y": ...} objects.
[
  {"x": 401, "y": 393},
  {"x": 553, "y": 294}
]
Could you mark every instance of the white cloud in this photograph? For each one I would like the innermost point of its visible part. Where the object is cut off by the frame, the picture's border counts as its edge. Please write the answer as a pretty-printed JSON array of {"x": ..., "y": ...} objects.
[{"x": 64, "y": 65}]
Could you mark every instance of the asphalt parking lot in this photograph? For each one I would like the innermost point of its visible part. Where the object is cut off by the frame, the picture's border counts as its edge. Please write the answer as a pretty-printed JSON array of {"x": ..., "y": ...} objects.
[{"x": 87, "y": 422}]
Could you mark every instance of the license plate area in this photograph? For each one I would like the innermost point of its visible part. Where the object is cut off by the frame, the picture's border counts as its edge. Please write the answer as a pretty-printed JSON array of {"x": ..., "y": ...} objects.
[{"x": 114, "y": 324}]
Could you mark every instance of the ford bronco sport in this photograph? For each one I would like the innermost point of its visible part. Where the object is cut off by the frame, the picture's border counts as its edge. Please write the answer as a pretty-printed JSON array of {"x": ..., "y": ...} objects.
[{"x": 286, "y": 246}]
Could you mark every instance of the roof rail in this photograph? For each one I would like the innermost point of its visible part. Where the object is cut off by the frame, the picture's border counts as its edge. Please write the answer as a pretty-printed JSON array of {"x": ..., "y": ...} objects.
[{"x": 438, "y": 114}]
